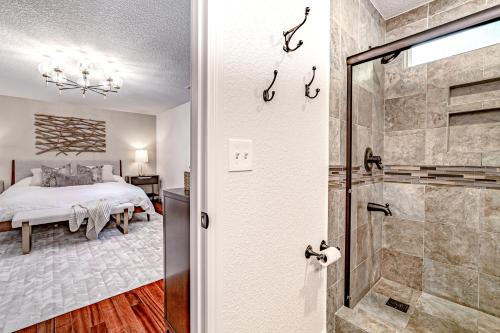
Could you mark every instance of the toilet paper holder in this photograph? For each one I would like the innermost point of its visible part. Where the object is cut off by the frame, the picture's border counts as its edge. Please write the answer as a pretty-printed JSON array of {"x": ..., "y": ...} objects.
[{"x": 321, "y": 257}]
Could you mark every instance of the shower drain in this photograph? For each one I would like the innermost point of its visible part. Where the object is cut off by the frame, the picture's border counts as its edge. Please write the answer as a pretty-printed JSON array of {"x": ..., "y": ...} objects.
[{"x": 397, "y": 305}]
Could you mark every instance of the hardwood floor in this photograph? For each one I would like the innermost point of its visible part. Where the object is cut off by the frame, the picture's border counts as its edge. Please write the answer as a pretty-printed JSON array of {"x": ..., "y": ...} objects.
[{"x": 138, "y": 310}]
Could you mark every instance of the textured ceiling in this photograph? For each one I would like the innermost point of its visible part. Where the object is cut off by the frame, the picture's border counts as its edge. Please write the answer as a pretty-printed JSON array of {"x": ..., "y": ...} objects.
[
  {"x": 391, "y": 8},
  {"x": 146, "y": 41}
]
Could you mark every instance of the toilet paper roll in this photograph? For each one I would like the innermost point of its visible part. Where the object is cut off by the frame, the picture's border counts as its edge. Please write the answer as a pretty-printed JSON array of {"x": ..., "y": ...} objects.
[{"x": 332, "y": 256}]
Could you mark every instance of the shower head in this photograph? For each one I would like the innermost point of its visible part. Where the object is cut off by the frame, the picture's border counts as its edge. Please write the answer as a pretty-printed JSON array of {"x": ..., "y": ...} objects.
[{"x": 389, "y": 58}]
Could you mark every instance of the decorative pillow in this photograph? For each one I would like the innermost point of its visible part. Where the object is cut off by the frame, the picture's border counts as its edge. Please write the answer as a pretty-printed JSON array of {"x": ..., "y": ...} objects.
[
  {"x": 36, "y": 180},
  {"x": 49, "y": 174},
  {"x": 80, "y": 179},
  {"x": 96, "y": 172},
  {"x": 107, "y": 173}
]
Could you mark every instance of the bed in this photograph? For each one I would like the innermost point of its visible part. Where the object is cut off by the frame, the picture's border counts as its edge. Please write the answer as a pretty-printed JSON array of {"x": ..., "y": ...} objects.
[{"x": 22, "y": 198}]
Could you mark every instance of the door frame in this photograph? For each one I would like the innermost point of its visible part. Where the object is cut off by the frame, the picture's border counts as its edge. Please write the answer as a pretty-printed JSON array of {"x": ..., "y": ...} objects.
[{"x": 198, "y": 167}]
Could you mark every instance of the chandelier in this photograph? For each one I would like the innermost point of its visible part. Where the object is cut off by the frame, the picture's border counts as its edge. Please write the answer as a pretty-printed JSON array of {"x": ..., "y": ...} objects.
[{"x": 54, "y": 74}]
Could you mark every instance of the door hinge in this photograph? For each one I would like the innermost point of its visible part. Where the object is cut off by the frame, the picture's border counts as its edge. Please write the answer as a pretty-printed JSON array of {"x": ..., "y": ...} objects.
[{"x": 205, "y": 220}]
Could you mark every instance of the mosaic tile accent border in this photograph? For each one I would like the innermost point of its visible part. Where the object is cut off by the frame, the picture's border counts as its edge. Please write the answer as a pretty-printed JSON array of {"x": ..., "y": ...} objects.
[
  {"x": 483, "y": 177},
  {"x": 477, "y": 176},
  {"x": 360, "y": 176}
]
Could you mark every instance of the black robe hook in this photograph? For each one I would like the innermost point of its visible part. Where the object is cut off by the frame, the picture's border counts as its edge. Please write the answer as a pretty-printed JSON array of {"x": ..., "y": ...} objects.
[
  {"x": 289, "y": 34},
  {"x": 308, "y": 85},
  {"x": 265, "y": 94}
]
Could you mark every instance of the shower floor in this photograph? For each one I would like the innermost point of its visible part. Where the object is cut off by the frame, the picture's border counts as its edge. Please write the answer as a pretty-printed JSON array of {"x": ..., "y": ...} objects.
[{"x": 426, "y": 314}]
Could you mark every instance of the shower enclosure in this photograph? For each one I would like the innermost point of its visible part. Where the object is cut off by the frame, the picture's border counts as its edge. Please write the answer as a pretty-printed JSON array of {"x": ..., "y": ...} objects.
[{"x": 422, "y": 232}]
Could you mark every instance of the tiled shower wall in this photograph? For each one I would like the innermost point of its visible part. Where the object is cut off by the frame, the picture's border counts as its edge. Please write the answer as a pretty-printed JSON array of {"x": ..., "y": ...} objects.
[
  {"x": 444, "y": 237},
  {"x": 355, "y": 26}
]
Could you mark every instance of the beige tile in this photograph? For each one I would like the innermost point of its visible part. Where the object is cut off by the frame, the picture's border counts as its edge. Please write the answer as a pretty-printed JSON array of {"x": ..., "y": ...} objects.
[
  {"x": 437, "y": 106},
  {"x": 402, "y": 235},
  {"x": 405, "y": 113},
  {"x": 492, "y": 61},
  {"x": 374, "y": 305},
  {"x": 335, "y": 93},
  {"x": 451, "y": 282},
  {"x": 406, "y": 30},
  {"x": 401, "y": 81},
  {"x": 465, "y": 317},
  {"x": 488, "y": 324},
  {"x": 405, "y": 147},
  {"x": 334, "y": 141},
  {"x": 421, "y": 322},
  {"x": 452, "y": 205},
  {"x": 475, "y": 138},
  {"x": 455, "y": 70},
  {"x": 398, "y": 292},
  {"x": 402, "y": 268},
  {"x": 362, "y": 321},
  {"x": 365, "y": 107},
  {"x": 455, "y": 13},
  {"x": 489, "y": 262},
  {"x": 343, "y": 326},
  {"x": 409, "y": 17},
  {"x": 364, "y": 140},
  {"x": 406, "y": 200},
  {"x": 436, "y": 151},
  {"x": 489, "y": 294},
  {"x": 333, "y": 213},
  {"x": 376, "y": 267},
  {"x": 360, "y": 281},
  {"x": 364, "y": 243},
  {"x": 490, "y": 159},
  {"x": 438, "y": 6},
  {"x": 490, "y": 210},
  {"x": 334, "y": 303},
  {"x": 451, "y": 244},
  {"x": 349, "y": 17},
  {"x": 336, "y": 63}
]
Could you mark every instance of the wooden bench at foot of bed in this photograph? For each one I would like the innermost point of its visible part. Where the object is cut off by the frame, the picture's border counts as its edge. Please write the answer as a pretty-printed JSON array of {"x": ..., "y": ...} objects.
[{"x": 26, "y": 220}]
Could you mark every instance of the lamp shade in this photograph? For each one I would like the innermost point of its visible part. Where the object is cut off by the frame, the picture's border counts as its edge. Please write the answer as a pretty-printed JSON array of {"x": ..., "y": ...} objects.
[{"x": 141, "y": 156}]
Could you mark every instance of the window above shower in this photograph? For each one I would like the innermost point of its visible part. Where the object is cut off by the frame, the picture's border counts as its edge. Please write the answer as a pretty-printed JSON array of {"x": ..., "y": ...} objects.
[{"x": 461, "y": 42}]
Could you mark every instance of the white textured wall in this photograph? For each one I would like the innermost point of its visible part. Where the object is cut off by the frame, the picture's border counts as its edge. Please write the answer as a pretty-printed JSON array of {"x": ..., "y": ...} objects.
[
  {"x": 173, "y": 144},
  {"x": 264, "y": 219},
  {"x": 125, "y": 132}
]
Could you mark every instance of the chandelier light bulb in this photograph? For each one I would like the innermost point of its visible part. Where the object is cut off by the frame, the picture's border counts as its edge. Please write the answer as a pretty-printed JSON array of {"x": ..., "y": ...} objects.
[
  {"x": 44, "y": 69},
  {"x": 117, "y": 82},
  {"x": 85, "y": 66}
]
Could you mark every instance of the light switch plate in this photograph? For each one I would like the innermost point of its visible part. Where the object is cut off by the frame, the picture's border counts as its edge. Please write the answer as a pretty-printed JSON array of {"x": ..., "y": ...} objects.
[{"x": 240, "y": 155}]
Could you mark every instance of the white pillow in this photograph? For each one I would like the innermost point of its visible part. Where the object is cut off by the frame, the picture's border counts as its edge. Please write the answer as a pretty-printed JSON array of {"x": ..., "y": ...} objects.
[
  {"x": 107, "y": 173},
  {"x": 36, "y": 180}
]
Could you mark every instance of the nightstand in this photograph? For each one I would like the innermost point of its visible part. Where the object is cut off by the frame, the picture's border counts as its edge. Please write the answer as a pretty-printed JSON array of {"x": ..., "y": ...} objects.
[{"x": 151, "y": 184}]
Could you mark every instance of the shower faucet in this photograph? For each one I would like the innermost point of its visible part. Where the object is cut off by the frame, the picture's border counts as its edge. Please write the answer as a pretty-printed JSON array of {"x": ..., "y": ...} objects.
[
  {"x": 373, "y": 207},
  {"x": 371, "y": 159}
]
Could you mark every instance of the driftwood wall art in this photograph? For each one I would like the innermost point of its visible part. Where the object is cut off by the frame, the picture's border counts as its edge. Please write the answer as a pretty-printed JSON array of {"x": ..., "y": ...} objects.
[{"x": 65, "y": 135}]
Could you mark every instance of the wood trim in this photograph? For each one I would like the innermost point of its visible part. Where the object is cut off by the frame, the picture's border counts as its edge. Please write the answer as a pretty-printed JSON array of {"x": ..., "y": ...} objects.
[
  {"x": 5, "y": 226},
  {"x": 121, "y": 173},
  {"x": 13, "y": 173}
]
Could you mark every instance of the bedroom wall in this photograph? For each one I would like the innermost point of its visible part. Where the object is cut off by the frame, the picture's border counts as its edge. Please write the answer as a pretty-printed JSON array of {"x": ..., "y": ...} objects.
[
  {"x": 173, "y": 145},
  {"x": 125, "y": 132}
]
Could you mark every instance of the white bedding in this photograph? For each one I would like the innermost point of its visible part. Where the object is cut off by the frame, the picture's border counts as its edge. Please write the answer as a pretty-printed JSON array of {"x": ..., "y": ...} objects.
[{"x": 22, "y": 196}]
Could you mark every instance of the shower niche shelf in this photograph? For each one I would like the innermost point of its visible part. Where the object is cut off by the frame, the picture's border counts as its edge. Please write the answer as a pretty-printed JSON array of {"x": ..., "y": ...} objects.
[
  {"x": 478, "y": 91},
  {"x": 474, "y": 117}
]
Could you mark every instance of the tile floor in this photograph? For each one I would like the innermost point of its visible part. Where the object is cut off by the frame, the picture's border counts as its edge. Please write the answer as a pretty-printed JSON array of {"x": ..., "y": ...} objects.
[
  {"x": 427, "y": 314},
  {"x": 65, "y": 271}
]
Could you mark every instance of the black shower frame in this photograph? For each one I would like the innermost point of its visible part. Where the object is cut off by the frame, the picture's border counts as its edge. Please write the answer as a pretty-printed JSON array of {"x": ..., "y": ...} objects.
[{"x": 483, "y": 17}]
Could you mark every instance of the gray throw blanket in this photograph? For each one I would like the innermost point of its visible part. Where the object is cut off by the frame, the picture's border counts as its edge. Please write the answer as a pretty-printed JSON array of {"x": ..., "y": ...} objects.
[{"x": 97, "y": 212}]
